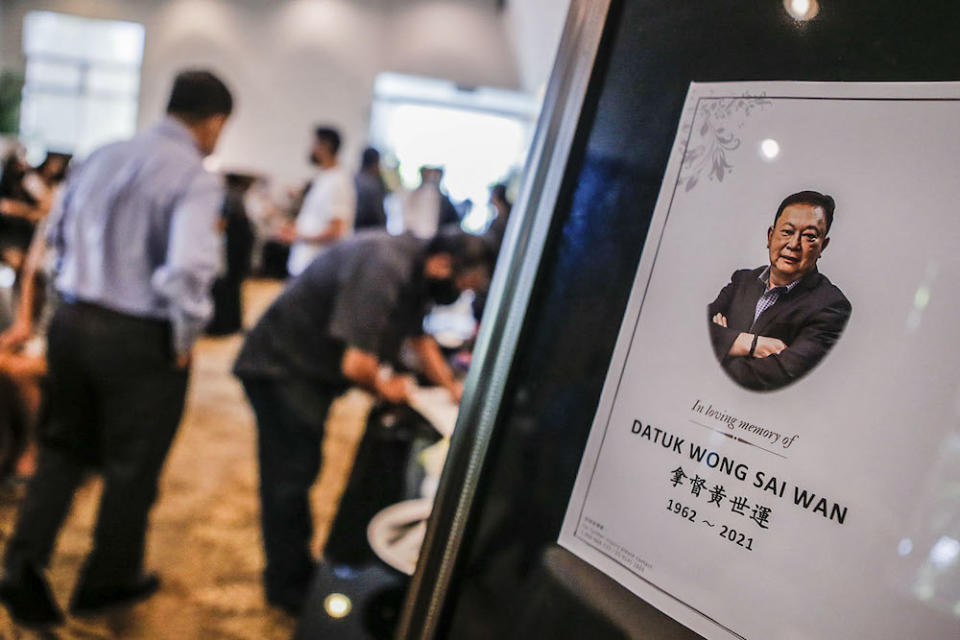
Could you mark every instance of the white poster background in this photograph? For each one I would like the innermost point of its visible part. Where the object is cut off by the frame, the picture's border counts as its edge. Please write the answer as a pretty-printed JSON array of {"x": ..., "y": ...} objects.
[{"x": 877, "y": 421}]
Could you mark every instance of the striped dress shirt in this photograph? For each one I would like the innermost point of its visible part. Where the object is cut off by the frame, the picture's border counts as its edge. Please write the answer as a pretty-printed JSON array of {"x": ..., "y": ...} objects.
[
  {"x": 136, "y": 230},
  {"x": 770, "y": 295}
]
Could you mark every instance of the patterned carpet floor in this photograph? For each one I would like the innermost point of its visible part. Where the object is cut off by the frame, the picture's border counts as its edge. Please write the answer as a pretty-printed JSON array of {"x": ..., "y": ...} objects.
[{"x": 204, "y": 538}]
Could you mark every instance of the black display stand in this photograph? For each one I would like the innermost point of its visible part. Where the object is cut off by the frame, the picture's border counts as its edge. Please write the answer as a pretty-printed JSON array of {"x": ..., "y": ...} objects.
[{"x": 385, "y": 471}]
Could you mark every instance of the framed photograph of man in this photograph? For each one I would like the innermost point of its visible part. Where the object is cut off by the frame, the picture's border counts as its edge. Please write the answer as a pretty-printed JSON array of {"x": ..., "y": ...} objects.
[
  {"x": 754, "y": 463},
  {"x": 771, "y": 325}
]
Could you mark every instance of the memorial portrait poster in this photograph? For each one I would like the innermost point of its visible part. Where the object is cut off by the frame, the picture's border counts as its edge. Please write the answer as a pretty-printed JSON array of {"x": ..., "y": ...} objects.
[{"x": 776, "y": 449}]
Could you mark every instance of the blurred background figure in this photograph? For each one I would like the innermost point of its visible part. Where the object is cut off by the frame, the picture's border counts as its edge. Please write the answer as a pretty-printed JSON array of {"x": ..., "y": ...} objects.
[
  {"x": 328, "y": 206},
  {"x": 238, "y": 250},
  {"x": 17, "y": 205},
  {"x": 26, "y": 195},
  {"x": 42, "y": 182},
  {"x": 371, "y": 192},
  {"x": 23, "y": 352},
  {"x": 269, "y": 213},
  {"x": 427, "y": 208},
  {"x": 502, "y": 207}
]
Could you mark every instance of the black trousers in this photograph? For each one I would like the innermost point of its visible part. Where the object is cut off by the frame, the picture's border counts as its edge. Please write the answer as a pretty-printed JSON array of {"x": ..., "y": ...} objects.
[
  {"x": 114, "y": 400},
  {"x": 227, "y": 307},
  {"x": 290, "y": 422}
]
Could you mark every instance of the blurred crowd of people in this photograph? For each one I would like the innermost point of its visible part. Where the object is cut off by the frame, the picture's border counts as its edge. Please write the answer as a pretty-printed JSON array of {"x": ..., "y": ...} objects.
[
  {"x": 109, "y": 276},
  {"x": 26, "y": 197}
]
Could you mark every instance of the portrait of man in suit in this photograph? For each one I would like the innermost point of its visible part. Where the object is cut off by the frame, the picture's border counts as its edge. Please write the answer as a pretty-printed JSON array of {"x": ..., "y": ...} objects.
[{"x": 771, "y": 325}]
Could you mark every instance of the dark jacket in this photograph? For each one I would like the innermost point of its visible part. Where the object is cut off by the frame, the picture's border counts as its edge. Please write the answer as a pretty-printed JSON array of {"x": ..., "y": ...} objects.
[
  {"x": 370, "y": 194},
  {"x": 809, "y": 318}
]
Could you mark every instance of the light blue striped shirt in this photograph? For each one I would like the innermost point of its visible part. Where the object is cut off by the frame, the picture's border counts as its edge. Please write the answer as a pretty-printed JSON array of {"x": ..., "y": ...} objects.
[{"x": 136, "y": 230}]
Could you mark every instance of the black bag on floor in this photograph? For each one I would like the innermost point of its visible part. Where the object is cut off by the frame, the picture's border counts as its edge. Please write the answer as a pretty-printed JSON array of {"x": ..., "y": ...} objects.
[{"x": 385, "y": 472}]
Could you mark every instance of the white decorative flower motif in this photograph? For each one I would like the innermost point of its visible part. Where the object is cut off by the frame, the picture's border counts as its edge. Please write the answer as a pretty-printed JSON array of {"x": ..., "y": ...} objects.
[{"x": 718, "y": 119}]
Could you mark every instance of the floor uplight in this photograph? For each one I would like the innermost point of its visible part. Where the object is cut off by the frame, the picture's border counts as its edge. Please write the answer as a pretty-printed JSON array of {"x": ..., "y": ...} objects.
[{"x": 337, "y": 605}]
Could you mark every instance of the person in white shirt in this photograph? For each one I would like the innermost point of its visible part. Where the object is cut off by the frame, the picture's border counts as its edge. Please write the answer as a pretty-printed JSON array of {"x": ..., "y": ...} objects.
[
  {"x": 328, "y": 209},
  {"x": 427, "y": 208}
]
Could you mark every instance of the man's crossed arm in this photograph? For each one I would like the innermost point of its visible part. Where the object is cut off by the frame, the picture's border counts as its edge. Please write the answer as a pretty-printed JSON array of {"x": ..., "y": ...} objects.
[
  {"x": 775, "y": 363},
  {"x": 744, "y": 344}
]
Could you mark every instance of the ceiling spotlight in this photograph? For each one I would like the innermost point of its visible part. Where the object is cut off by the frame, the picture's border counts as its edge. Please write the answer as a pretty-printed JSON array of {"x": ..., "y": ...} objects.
[{"x": 802, "y": 10}]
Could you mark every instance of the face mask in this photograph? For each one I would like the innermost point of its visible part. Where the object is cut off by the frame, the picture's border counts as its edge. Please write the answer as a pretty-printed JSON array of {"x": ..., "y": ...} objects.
[{"x": 442, "y": 291}]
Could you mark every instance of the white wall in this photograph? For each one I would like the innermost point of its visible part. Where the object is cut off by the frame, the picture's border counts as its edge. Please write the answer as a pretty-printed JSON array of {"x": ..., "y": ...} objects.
[
  {"x": 534, "y": 28},
  {"x": 297, "y": 63},
  {"x": 4, "y": 21}
]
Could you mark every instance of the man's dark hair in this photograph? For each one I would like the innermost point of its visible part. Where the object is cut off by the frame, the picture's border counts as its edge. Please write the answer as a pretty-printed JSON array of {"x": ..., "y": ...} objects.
[
  {"x": 369, "y": 158},
  {"x": 329, "y": 135},
  {"x": 197, "y": 95},
  {"x": 61, "y": 173},
  {"x": 812, "y": 198},
  {"x": 466, "y": 250}
]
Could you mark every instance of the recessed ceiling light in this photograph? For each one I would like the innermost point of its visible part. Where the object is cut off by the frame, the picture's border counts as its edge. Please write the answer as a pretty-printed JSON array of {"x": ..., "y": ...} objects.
[{"x": 802, "y": 10}]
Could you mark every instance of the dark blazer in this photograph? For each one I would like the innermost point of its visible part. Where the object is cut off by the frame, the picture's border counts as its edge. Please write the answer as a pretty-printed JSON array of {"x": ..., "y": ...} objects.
[{"x": 809, "y": 318}]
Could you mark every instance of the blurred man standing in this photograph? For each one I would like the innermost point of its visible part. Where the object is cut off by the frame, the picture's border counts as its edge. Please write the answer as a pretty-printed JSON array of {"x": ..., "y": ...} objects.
[
  {"x": 328, "y": 208},
  {"x": 137, "y": 248}
]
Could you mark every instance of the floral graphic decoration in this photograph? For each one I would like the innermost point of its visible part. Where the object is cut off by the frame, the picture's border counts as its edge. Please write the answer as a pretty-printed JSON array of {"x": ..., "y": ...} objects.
[{"x": 715, "y": 137}]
